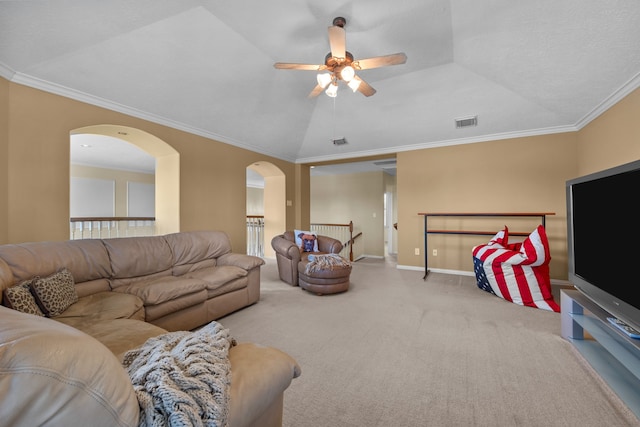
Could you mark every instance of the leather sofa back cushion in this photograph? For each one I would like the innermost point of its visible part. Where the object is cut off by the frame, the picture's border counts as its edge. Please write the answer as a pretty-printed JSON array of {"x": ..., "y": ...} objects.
[
  {"x": 137, "y": 257},
  {"x": 102, "y": 306},
  {"x": 53, "y": 374},
  {"x": 85, "y": 259},
  {"x": 163, "y": 289},
  {"x": 192, "y": 247}
]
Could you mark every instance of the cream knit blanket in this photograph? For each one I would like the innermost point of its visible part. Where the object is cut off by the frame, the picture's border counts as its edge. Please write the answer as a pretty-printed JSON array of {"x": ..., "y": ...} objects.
[
  {"x": 325, "y": 262},
  {"x": 183, "y": 378}
]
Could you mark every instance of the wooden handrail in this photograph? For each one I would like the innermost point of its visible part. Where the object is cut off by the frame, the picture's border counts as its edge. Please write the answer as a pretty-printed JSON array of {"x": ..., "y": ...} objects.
[
  {"x": 350, "y": 225},
  {"x": 111, "y": 218}
]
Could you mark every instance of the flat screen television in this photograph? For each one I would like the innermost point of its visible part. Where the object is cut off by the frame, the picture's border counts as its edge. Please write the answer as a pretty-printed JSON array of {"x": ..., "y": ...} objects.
[{"x": 603, "y": 221}]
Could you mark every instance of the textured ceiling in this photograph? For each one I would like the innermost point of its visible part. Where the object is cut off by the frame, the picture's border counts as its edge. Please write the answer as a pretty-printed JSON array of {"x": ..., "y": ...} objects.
[{"x": 523, "y": 68}]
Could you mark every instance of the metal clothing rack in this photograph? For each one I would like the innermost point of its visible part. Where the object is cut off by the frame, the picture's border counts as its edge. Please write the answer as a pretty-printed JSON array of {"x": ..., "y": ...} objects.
[{"x": 427, "y": 231}]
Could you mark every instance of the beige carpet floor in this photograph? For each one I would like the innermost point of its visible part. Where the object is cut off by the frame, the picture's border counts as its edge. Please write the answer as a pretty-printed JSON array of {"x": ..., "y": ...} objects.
[{"x": 399, "y": 351}]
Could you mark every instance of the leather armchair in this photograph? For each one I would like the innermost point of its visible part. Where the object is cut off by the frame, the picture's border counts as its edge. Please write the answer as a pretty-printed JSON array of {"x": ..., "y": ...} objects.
[{"x": 288, "y": 254}]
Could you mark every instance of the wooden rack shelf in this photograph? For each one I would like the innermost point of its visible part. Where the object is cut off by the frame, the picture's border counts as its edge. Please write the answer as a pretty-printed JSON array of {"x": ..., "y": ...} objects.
[{"x": 427, "y": 231}]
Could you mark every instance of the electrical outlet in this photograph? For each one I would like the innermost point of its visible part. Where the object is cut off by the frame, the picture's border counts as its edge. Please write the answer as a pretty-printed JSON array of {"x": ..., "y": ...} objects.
[
  {"x": 435, "y": 252},
  {"x": 417, "y": 251}
]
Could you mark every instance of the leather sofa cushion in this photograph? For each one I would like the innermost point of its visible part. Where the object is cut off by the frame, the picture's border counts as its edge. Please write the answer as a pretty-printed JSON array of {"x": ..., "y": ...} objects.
[
  {"x": 103, "y": 306},
  {"x": 217, "y": 276},
  {"x": 180, "y": 270},
  {"x": 92, "y": 287},
  {"x": 190, "y": 247},
  {"x": 162, "y": 289},
  {"x": 226, "y": 288},
  {"x": 171, "y": 307},
  {"x": 137, "y": 257},
  {"x": 85, "y": 259},
  {"x": 121, "y": 335},
  {"x": 53, "y": 374}
]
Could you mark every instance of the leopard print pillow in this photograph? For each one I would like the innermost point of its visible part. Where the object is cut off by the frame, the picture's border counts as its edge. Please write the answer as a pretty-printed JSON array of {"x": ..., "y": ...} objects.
[
  {"x": 20, "y": 298},
  {"x": 55, "y": 293}
]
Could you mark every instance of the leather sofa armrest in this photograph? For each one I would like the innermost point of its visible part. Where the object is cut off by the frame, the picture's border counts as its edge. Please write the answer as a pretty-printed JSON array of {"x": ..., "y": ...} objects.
[
  {"x": 53, "y": 374},
  {"x": 286, "y": 248},
  {"x": 260, "y": 377},
  {"x": 329, "y": 245},
  {"x": 246, "y": 262}
]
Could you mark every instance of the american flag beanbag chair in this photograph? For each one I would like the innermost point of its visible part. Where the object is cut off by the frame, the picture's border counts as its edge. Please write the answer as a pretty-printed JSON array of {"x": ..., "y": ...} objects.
[{"x": 517, "y": 272}]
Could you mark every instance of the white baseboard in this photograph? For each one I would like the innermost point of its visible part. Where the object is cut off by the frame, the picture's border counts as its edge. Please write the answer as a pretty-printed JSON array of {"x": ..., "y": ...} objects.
[
  {"x": 557, "y": 282},
  {"x": 369, "y": 256}
]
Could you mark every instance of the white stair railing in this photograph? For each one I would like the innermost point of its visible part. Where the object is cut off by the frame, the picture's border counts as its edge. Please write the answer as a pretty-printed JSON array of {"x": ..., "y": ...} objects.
[
  {"x": 255, "y": 235},
  {"x": 110, "y": 227},
  {"x": 342, "y": 232}
]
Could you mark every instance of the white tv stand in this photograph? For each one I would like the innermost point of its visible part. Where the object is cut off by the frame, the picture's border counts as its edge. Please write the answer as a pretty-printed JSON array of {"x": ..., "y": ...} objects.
[{"x": 614, "y": 355}]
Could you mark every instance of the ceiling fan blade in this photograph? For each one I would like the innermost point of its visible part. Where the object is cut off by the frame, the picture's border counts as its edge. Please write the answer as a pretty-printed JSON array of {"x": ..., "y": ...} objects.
[
  {"x": 316, "y": 91},
  {"x": 294, "y": 66},
  {"x": 380, "y": 61},
  {"x": 337, "y": 41},
  {"x": 364, "y": 87}
]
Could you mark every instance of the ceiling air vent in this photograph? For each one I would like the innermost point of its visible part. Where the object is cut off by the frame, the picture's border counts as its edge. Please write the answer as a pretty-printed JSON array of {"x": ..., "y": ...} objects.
[
  {"x": 466, "y": 122},
  {"x": 340, "y": 141}
]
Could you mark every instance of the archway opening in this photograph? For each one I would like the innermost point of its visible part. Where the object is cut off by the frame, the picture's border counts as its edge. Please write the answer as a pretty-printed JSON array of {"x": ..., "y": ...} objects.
[
  {"x": 274, "y": 202},
  {"x": 167, "y": 170}
]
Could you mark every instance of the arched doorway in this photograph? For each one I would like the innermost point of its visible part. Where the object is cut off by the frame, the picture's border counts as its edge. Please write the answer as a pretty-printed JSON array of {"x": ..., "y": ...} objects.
[
  {"x": 274, "y": 196},
  {"x": 167, "y": 171}
]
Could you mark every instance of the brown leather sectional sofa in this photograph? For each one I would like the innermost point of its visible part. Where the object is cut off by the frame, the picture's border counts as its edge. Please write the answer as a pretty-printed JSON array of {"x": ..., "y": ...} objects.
[{"x": 128, "y": 290}]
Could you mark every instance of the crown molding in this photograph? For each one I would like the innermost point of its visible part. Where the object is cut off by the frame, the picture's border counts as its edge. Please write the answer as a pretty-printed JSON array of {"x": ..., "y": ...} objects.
[
  {"x": 443, "y": 143},
  {"x": 610, "y": 101},
  {"x": 36, "y": 83},
  {"x": 56, "y": 89}
]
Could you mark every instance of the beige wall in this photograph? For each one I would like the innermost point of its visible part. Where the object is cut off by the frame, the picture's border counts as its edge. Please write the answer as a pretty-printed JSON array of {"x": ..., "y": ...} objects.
[
  {"x": 4, "y": 157},
  {"x": 524, "y": 174},
  {"x": 302, "y": 201},
  {"x": 212, "y": 174},
  {"x": 514, "y": 175},
  {"x": 612, "y": 139},
  {"x": 520, "y": 175},
  {"x": 358, "y": 197}
]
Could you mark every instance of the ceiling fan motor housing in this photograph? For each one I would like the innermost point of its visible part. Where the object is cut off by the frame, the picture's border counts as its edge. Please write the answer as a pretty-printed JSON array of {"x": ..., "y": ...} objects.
[
  {"x": 335, "y": 65},
  {"x": 339, "y": 21}
]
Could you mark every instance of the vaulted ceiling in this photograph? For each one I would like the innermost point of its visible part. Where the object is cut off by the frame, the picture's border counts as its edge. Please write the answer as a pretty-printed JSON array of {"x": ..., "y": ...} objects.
[{"x": 523, "y": 68}]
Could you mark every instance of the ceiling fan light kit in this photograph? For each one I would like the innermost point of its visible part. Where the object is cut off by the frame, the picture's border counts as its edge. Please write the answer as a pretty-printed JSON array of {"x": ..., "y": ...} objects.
[
  {"x": 347, "y": 73},
  {"x": 332, "y": 90},
  {"x": 354, "y": 84},
  {"x": 324, "y": 79},
  {"x": 341, "y": 65}
]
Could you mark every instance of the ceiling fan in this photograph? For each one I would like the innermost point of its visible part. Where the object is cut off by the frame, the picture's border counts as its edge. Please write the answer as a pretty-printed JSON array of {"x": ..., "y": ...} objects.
[{"x": 340, "y": 64}]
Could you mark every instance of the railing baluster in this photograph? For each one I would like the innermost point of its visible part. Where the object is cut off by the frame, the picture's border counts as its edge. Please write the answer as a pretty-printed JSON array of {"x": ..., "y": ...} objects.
[
  {"x": 255, "y": 235},
  {"x": 342, "y": 232},
  {"x": 109, "y": 227}
]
